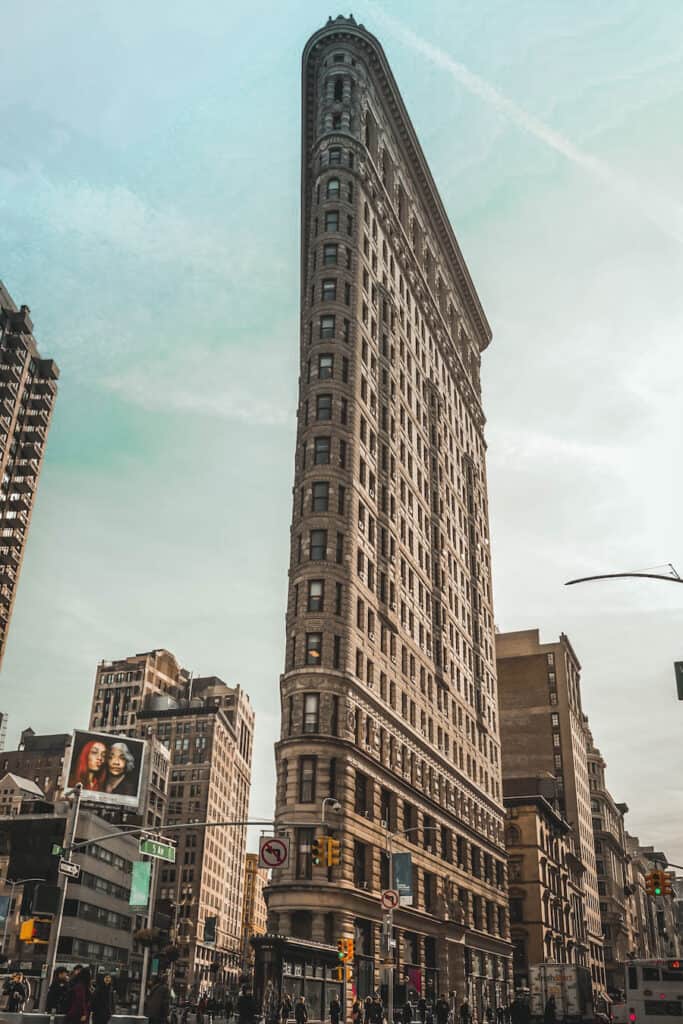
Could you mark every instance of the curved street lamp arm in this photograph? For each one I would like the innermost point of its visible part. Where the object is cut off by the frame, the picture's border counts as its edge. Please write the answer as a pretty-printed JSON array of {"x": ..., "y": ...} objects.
[{"x": 621, "y": 575}]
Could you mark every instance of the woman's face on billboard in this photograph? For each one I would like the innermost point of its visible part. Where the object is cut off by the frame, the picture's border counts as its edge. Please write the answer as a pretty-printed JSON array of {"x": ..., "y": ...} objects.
[
  {"x": 117, "y": 762},
  {"x": 96, "y": 757}
]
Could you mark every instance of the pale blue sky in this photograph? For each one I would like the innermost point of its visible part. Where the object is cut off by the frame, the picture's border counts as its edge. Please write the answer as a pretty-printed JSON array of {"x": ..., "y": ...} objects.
[{"x": 149, "y": 184}]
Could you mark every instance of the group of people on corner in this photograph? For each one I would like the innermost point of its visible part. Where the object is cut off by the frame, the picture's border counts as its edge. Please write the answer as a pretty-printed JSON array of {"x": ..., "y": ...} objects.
[
  {"x": 74, "y": 997},
  {"x": 372, "y": 1011}
]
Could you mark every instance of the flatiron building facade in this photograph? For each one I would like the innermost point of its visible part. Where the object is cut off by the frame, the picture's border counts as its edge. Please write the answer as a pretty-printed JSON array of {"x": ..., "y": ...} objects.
[{"x": 389, "y": 703}]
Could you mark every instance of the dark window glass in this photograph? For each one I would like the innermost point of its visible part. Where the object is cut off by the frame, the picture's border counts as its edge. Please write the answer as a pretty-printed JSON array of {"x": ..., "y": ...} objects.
[
  {"x": 329, "y": 289},
  {"x": 327, "y": 326},
  {"x": 321, "y": 451},
  {"x": 325, "y": 366},
  {"x": 330, "y": 254},
  {"x": 307, "y": 780},
  {"x": 323, "y": 407},
  {"x": 332, "y": 220},
  {"x": 311, "y": 712},
  {"x": 320, "y": 496},
  {"x": 335, "y": 156},
  {"x": 314, "y": 646},
  {"x": 318, "y": 545},
  {"x": 333, "y": 188}
]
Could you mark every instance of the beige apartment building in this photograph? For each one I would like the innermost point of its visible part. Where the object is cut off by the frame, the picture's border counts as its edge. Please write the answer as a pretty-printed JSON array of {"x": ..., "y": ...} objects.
[
  {"x": 547, "y": 903},
  {"x": 28, "y": 389},
  {"x": 254, "y": 910},
  {"x": 207, "y": 726},
  {"x": 542, "y": 730},
  {"x": 615, "y": 888},
  {"x": 389, "y": 701}
]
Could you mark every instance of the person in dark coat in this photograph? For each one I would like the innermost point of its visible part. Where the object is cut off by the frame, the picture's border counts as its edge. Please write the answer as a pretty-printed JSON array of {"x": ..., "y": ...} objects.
[
  {"x": 16, "y": 992},
  {"x": 246, "y": 1007},
  {"x": 519, "y": 1011},
  {"x": 78, "y": 1009},
  {"x": 58, "y": 992},
  {"x": 465, "y": 1015},
  {"x": 442, "y": 1008},
  {"x": 103, "y": 1002},
  {"x": 376, "y": 1010},
  {"x": 550, "y": 1014},
  {"x": 407, "y": 1014},
  {"x": 356, "y": 1012},
  {"x": 335, "y": 1010},
  {"x": 367, "y": 1003},
  {"x": 422, "y": 1010},
  {"x": 285, "y": 1007},
  {"x": 300, "y": 1011},
  {"x": 158, "y": 1001}
]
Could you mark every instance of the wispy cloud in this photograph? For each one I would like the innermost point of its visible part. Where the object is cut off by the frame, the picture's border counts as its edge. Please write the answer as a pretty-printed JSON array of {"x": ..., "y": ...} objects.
[{"x": 664, "y": 212}]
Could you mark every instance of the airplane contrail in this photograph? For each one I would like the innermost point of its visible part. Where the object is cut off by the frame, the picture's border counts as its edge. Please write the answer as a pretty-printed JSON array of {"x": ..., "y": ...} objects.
[{"x": 665, "y": 213}]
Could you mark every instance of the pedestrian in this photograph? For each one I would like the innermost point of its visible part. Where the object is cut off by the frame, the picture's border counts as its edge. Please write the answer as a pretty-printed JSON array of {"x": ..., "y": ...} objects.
[
  {"x": 519, "y": 1011},
  {"x": 356, "y": 1012},
  {"x": 300, "y": 1011},
  {"x": 58, "y": 992},
  {"x": 78, "y": 1008},
  {"x": 228, "y": 1009},
  {"x": 246, "y": 1007},
  {"x": 407, "y": 1013},
  {"x": 335, "y": 1010},
  {"x": 366, "y": 1009},
  {"x": 158, "y": 1001},
  {"x": 285, "y": 1007},
  {"x": 376, "y": 1010},
  {"x": 465, "y": 1015},
  {"x": 422, "y": 1010},
  {"x": 16, "y": 993},
  {"x": 488, "y": 1013},
  {"x": 442, "y": 1009},
  {"x": 103, "y": 1003},
  {"x": 549, "y": 1014}
]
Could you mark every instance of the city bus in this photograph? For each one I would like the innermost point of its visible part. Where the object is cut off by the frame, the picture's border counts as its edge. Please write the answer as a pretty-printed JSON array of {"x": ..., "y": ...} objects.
[{"x": 654, "y": 990}]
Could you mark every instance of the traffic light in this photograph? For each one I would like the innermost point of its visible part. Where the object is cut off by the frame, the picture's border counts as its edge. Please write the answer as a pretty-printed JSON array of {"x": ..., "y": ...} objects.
[
  {"x": 36, "y": 930},
  {"x": 667, "y": 879},
  {"x": 333, "y": 852},
  {"x": 318, "y": 850},
  {"x": 655, "y": 883}
]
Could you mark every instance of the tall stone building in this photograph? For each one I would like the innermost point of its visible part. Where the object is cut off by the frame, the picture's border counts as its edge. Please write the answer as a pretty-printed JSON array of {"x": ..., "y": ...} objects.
[
  {"x": 547, "y": 912},
  {"x": 388, "y": 695},
  {"x": 207, "y": 726},
  {"x": 28, "y": 388},
  {"x": 542, "y": 731},
  {"x": 254, "y": 910},
  {"x": 615, "y": 888}
]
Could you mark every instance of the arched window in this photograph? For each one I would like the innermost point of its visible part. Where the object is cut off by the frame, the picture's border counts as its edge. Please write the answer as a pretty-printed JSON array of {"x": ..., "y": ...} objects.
[
  {"x": 512, "y": 836},
  {"x": 333, "y": 188}
]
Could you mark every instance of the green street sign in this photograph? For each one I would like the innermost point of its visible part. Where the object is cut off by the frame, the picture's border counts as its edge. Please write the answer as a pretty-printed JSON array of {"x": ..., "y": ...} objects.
[{"x": 154, "y": 848}]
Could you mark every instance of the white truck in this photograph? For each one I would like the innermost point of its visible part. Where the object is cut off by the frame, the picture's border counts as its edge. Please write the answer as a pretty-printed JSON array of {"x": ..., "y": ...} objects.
[{"x": 569, "y": 984}]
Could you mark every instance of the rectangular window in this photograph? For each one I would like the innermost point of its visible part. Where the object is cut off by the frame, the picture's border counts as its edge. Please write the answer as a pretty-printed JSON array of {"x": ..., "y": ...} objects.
[
  {"x": 307, "y": 780},
  {"x": 320, "y": 495},
  {"x": 329, "y": 289},
  {"x": 323, "y": 407},
  {"x": 304, "y": 839},
  {"x": 316, "y": 595},
  {"x": 314, "y": 646},
  {"x": 311, "y": 712},
  {"x": 330, "y": 254},
  {"x": 332, "y": 220},
  {"x": 325, "y": 366},
  {"x": 318, "y": 545},
  {"x": 321, "y": 451},
  {"x": 327, "y": 326},
  {"x": 341, "y": 499},
  {"x": 335, "y": 156},
  {"x": 336, "y": 653},
  {"x": 338, "y": 591}
]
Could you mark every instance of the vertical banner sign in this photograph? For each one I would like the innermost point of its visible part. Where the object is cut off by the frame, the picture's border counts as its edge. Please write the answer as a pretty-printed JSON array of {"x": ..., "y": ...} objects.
[
  {"x": 139, "y": 885},
  {"x": 403, "y": 878}
]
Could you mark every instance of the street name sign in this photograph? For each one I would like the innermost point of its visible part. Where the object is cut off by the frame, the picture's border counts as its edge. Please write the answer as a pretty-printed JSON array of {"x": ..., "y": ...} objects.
[
  {"x": 68, "y": 868},
  {"x": 158, "y": 849}
]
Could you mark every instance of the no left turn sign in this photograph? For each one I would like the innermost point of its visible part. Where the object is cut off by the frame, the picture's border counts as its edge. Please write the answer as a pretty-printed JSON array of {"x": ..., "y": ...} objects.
[
  {"x": 273, "y": 852},
  {"x": 389, "y": 899}
]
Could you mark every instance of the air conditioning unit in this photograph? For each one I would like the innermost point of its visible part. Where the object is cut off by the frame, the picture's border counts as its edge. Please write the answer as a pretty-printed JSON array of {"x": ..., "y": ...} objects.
[{"x": 365, "y": 885}]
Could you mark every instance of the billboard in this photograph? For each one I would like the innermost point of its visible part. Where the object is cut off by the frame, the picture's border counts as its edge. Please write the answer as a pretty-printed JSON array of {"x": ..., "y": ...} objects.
[{"x": 108, "y": 767}]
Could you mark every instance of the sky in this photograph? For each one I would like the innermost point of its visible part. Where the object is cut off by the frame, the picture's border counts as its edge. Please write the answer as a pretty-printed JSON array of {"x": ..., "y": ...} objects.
[{"x": 149, "y": 216}]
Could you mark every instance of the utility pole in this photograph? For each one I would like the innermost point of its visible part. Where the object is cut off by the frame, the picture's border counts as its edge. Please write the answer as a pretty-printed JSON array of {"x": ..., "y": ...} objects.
[
  {"x": 150, "y": 924},
  {"x": 62, "y": 881}
]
